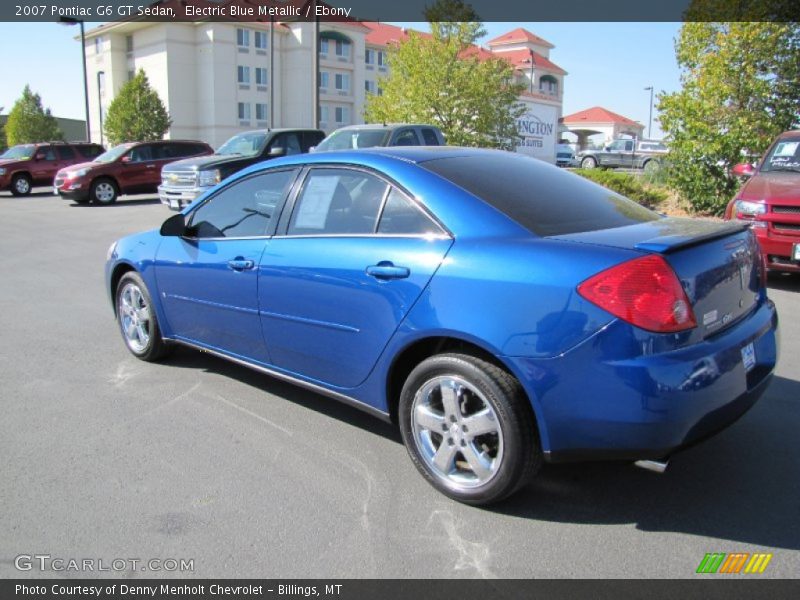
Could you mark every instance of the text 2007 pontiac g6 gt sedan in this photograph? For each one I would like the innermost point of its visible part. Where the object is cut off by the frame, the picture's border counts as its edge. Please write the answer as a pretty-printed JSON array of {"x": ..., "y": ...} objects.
[{"x": 500, "y": 310}]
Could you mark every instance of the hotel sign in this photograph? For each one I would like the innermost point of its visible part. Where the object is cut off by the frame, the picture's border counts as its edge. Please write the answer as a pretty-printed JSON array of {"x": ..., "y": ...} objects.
[{"x": 538, "y": 129}]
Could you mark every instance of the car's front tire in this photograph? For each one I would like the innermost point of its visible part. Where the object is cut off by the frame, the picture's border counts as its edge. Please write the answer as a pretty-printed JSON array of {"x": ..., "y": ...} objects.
[
  {"x": 469, "y": 428},
  {"x": 21, "y": 185},
  {"x": 104, "y": 191},
  {"x": 137, "y": 319},
  {"x": 589, "y": 163}
]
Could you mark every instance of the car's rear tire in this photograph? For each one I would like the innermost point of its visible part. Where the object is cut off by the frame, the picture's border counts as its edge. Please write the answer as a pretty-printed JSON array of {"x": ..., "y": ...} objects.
[
  {"x": 469, "y": 428},
  {"x": 651, "y": 166},
  {"x": 21, "y": 184},
  {"x": 589, "y": 163},
  {"x": 137, "y": 319},
  {"x": 104, "y": 191}
]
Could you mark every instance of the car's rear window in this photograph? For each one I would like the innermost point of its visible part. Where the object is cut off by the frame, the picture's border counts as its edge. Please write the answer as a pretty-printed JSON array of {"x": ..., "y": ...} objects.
[{"x": 544, "y": 199}]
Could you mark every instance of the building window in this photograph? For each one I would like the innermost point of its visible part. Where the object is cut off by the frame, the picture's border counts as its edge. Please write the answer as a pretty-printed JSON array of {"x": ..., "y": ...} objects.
[
  {"x": 261, "y": 76},
  {"x": 244, "y": 111},
  {"x": 381, "y": 58},
  {"x": 369, "y": 56},
  {"x": 101, "y": 83},
  {"x": 129, "y": 44},
  {"x": 324, "y": 77},
  {"x": 342, "y": 115},
  {"x": 243, "y": 37},
  {"x": 131, "y": 74},
  {"x": 548, "y": 85},
  {"x": 261, "y": 40},
  {"x": 323, "y": 46},
  {"x": 98, "y": 45},
  {"x": 261, "y": 112},
  {"x": 323, "y": 114},
  {"x": 243, "y": 74},
  {"x": 370, "y": 86},
  {"x": 342, "y": 49},
  {"x": 343, "y": 82}
]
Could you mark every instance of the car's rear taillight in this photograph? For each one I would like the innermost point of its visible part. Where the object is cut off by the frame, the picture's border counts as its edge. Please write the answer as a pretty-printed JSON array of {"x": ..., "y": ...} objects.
[{"x": 644, "y": 292}]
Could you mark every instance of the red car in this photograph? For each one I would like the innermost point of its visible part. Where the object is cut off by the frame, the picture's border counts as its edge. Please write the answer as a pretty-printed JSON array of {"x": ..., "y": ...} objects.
[
  {"x": 27, "y": 165},
  {"x": 771, "y": 201},
  {"x": 132, "y": 168}
]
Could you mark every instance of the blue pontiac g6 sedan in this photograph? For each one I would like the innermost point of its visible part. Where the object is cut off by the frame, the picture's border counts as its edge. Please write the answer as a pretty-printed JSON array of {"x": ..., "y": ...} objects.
[{"x": 501, "y": 311}]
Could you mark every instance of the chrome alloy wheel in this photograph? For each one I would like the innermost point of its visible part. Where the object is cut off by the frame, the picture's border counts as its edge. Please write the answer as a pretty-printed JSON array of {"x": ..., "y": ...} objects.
[
  {"x": 22, "y": 186},
  {"x": 104, "y": 192},
  {"x": 457, "y": 432},
  {"x": 134, "y": 317}
]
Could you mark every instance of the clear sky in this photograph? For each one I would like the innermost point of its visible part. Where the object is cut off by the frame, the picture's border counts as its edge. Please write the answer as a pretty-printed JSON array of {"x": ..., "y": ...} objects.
[{"x": 608, "y": 64}]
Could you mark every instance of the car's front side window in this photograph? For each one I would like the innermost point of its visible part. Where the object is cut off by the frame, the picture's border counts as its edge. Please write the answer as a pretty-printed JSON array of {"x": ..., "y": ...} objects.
[
  {"x": 338, "y": 202},
  {"x": 246, "y": 208}
]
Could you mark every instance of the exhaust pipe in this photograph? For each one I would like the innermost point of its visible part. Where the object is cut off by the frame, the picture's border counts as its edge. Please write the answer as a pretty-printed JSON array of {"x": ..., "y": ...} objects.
[{"x": 656, "y": 466}]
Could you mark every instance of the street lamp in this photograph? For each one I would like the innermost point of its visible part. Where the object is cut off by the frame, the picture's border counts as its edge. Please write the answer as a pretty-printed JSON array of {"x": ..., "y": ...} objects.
[
  {"x": 650, "y": 119},
  {"x": 72, "y": 21}
]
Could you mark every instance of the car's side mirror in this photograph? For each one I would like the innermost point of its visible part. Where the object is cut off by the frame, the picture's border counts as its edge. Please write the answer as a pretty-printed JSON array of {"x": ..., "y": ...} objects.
[
  {"x": 607, "y": 148},
  {"x": 743, "y": 170},
  {"x": 126, "y": 159},
  {"x": 311, "y": 148},
  {"x": 40, "y": 156},
  {"x": 175, "y": 226},
  {"x": 276, "y": 151}
]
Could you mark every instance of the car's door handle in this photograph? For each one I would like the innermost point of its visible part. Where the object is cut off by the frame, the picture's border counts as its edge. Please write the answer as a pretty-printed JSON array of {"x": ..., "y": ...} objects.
[
  {"x": 386, "y": 270},
  {"x": 151, "y": 166},
  {"x": 240, "y": 264}
]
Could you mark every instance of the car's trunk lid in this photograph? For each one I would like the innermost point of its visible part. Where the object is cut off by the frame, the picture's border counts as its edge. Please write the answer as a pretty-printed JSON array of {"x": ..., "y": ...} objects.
[{"x": 717, "y": 263}]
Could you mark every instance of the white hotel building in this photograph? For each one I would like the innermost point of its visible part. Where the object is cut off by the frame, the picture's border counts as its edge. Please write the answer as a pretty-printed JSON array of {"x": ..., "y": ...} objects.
[{"x": 218, "y": 78}]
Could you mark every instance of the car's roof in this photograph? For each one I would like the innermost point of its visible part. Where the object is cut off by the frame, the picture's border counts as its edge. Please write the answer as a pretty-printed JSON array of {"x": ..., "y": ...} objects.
[
  {"x": 384, "y": 126},
  {"x": 277, "y": 130},
  {"x": 417, "y": 154}
]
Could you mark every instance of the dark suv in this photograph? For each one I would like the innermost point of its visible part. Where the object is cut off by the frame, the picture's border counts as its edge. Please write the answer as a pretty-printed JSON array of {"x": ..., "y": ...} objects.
[
  {"x": 132, "y": 168},
  {"x": 27, "y": 165},
  {"x": 185, "y": 180}
]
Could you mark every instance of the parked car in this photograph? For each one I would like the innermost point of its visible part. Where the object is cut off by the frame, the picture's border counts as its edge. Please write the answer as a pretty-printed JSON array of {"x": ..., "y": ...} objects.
[
  {"x": 501, "y": 310},
  {"x": 185, "y": 180},
  {"x": 354, "y": 137},
  {"x": 626, "y": 153},
  {"x": 131, "y": 168},
  {"x": 565, "y": 156},
  {"x": 25, "y": 166},
  {"x": 770, "y": 202}
]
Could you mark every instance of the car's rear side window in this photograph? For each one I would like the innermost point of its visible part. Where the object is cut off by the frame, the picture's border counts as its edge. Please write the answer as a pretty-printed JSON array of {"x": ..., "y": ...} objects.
[
  {"x": 544, "y": 199},
  {"x": 429, "y": 136}
]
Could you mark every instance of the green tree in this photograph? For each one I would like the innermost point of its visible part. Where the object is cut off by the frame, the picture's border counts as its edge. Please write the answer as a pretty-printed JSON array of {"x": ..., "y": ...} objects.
[
  {"x": 28, "y": 122},
  {"x": 136, "y": 114},
  {"x": 3, "y": 144},
  {"x": 441, "y": 79},
  {"x": 740, "y": 88}
]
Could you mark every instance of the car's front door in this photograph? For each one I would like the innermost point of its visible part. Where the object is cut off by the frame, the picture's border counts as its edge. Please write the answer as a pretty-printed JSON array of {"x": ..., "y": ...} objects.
[
  {"x": 45, "y": 165},
  {"x": 208, "y": 280},
  {"x": 355, "y": 256},
  {"x": 626, "y": 155},
  {"x": 136, "y": 169}
]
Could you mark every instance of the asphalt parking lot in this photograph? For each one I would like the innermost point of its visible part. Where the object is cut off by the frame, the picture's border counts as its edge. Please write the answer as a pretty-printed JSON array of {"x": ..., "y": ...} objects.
[{"x": 105, "y": 457}]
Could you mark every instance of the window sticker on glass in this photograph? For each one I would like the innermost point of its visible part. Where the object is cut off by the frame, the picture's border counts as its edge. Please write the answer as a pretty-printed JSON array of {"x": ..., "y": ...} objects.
[
  {"x": 786, "y": 149},
  {"x": 316, "y": 201}
]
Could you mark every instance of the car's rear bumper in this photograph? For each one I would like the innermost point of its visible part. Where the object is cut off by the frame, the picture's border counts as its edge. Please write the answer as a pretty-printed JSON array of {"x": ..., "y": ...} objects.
[{"x": 596, "y": 403}]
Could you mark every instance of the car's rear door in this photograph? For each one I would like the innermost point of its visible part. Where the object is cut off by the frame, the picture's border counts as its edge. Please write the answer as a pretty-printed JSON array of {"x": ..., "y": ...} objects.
[
  {"x": 353, "y": 257},
  {"x": 208, "y": 280}
]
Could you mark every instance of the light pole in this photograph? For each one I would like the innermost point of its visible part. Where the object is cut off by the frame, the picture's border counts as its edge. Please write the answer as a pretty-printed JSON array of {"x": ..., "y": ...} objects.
[
  {"x": 73, "y": 21},
  {"x": 650, "y": 119},
  {"x": 100, "y": 75}
]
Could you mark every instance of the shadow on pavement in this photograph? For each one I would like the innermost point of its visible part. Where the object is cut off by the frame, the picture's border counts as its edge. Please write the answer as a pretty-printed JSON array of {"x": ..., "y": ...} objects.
[
  {"x": 742, "y": 485},
  {"x": 789, "y": 282},
  {"x": 120, "y": 203}
]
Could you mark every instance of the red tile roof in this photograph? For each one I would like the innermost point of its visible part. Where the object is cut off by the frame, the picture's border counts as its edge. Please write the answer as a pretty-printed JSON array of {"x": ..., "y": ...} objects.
[
  {"x": 517, "y": 36},
  {"x": 382, "y": 34},
  {"x": 521, "y": 59},
  {"x": 598, "y": 114}
]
